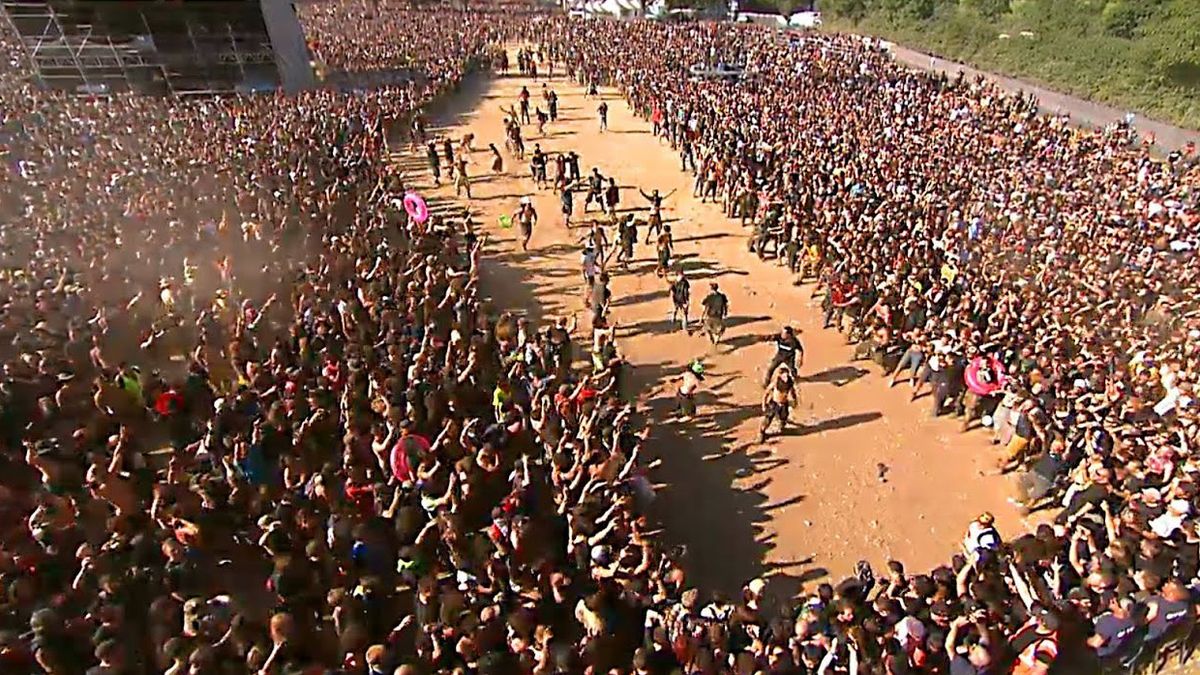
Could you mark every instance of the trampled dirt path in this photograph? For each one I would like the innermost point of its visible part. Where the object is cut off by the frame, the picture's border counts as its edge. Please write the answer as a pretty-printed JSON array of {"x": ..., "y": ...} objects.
[{"x": 797, "y": 508}]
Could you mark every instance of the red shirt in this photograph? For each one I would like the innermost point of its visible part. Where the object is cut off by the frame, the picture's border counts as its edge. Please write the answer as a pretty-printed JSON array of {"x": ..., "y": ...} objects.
[{"x": 363, "y": 498}]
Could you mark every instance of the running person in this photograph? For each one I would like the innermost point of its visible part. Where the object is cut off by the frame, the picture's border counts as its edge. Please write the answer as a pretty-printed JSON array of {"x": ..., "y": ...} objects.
[
  {"x": 681, "y": 292},
  {"x": 778, "y": 399},
  {"x": 567, "y": 198},
  {"x": 655, "y": 222},
  {"x": 665, "y": 245},
  {"x": 537, "y": 165},
  {"x": 689, "y": 383},
  {"x": 599, "y": 297},
  {"x": 716, "y": 308},
  {"x": 526, "y": 217},
  {"x": 596, "y": 238},
  {"x": 435, "y": 162},
  {"x": 595, "y": 193},
  {"x": 612, "y": 197},
  {"x": 497, "y": 159},
  {"x": 462, "y": 182},
  {"x": 787, "y": 348},
  {"x": 626, "y": 238},
  {"x": 590, "y": 266},
  {"x": 524, "y": 102}
]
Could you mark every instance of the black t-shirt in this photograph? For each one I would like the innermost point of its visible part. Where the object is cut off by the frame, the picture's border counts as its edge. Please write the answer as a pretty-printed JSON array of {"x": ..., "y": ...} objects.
[
  {"x": 716, "y": 304},
  {"x": 788, "y": 346},
  {"x": 680, "y": 291},
  {"x": 1114, "y": 630}
]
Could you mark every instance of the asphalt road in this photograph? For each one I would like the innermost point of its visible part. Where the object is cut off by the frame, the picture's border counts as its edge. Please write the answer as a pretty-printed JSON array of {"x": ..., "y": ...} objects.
[{"x": 1166, "y": 137}]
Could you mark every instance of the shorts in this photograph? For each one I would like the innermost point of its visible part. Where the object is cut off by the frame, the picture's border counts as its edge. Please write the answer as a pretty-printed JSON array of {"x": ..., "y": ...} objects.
[
  {"x": 912, "y": 359},
  {"x": 687, "y": 404},
  {"x": 778, "y": 411},
  {"x": 714, "y": 325}
]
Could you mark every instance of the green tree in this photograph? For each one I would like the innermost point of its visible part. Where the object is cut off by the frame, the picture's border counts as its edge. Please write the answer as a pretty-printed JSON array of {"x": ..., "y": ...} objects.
[
  {"x": 789, "y": 7},
  {"x": 855, "y": 10},
  {"x": 989, "y": 9},
  {"x": 1121, "y": 18},
  {"x": 1175, "y": 32}
]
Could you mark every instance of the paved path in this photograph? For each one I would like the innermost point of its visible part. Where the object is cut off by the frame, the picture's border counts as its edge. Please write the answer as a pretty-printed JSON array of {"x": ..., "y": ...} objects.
[
  {"x": 1166, "y": 136},
  {"x": 797, "y": 508}
]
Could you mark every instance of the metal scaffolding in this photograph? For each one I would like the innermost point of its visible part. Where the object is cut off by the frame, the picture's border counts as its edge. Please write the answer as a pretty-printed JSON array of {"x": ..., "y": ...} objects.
[
  {"x": 92, "y": 47},
  {"x": 75, "y": 57}
]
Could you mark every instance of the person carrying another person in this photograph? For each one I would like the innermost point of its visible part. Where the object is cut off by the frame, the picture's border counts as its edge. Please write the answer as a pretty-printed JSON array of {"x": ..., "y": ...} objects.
[{"x": 789, "y": 351}]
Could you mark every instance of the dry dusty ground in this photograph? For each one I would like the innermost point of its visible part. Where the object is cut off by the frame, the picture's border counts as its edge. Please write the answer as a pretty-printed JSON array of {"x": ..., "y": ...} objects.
[{"x": 797, "y": 509}]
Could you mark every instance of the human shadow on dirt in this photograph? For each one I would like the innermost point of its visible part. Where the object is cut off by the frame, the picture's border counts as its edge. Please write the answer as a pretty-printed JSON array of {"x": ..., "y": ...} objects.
[
  {"x": 832, "y": 424},
  {"x": 839, "y": 376},
  {"x": 698, "y": 502}
]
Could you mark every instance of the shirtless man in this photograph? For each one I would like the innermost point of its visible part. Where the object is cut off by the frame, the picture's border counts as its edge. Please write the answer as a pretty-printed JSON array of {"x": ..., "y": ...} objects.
[
  {"x": 595, "y": 190},
  {"x": 526, "y": 217},
  {"x": 778, "y": 400},
  {"x": 665, "y": 245},
  {"x": 655, "y": 223},
  {"x": 523, "y": 99},
  {"x": 596, "y": 238},
  {"x": 689, "y": 383},
  {"x": 462, "y": 182}
]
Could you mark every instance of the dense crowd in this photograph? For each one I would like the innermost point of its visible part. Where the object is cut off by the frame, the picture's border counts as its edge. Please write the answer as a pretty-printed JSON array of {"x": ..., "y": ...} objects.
[
  {"x": 259, "y": 420},
  {"x": 369, "y": 36},
  {"x": 948, "y": 225}
]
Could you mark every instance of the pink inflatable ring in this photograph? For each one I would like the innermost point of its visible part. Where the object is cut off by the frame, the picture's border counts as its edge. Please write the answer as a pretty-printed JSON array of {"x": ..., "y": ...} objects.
[
  {"x": 416, "y": 208},
  {"x": 980, "y": 383}
]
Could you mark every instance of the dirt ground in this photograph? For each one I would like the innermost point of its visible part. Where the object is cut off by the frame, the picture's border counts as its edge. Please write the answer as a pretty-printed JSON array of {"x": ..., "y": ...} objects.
[{"x": 799, "y": 509}]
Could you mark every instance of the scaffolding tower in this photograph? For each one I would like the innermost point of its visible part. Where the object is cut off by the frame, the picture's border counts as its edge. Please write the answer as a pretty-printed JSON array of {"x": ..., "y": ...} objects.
[{"x": 152, "y": 47}]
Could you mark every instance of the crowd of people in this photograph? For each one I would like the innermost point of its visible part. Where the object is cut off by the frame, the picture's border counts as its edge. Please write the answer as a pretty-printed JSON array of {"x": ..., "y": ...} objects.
[
  {"x": 257, "y": 418},
  {"x": 947, "y": 223}
]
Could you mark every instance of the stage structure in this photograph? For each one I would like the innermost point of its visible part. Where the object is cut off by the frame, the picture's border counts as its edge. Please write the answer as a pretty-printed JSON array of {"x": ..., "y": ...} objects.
[{"x": 162, "y": 46}]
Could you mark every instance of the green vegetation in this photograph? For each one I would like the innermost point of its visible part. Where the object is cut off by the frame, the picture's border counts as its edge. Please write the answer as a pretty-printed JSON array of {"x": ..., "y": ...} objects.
[{"x": 1142, "y": 55}]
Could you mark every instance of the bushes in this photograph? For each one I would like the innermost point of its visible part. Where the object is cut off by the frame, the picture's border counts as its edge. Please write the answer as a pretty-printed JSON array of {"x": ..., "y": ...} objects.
[{"x": 1142, "y": 55}]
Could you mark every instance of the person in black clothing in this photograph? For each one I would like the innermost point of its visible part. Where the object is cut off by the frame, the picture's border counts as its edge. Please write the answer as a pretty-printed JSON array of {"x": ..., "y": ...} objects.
[
  {"x": 573, "y": 172},
  {"x": 612, "y": 196},
  {"x": 603, "y": 110},
  {"x": 680, "y": 295},
  {"x": 788, "y": 350},
  {"x": 948, "y": 381},
  {"x": 626, "y": 238},
  {"x": 435, "y": 162},
  {"x": 448, "y": 151},
  {"x": 595, "y": 193},
  {"x": 537, "y": 166}
]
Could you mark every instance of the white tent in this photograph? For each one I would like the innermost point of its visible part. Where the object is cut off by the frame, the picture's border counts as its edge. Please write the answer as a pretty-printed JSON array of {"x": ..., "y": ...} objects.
[{"x": 614, "y": 8}]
